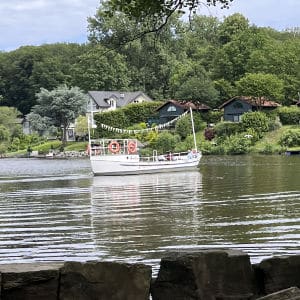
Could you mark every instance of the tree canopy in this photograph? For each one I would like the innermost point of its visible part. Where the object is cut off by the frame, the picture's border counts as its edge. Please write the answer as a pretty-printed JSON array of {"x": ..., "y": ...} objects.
[
  {"x": 155, "y": 14},
  {"x": 200, "y": 60},
  {"x": 60, "y": 106}
]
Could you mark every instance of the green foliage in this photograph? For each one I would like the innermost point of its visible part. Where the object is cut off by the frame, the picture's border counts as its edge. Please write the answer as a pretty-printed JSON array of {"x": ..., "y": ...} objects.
[
  {"x": 225, "y": 129},
  {"x": 166, "y": 142},
  {"x": 140, "y": 112},
  {"x": 61, "y": 105},
  {"x": 290, "y": 138},
  {"x": 289, "y": 115},
  {"x": 258, "y": 121},
  {"x": 190, "y": 81},
  {"x": 194, "y": 60},
  {"x": 125, "y": 117},
  {"x": 183, "y": 126},
  {"x": 8, "y": 118},
  {"x": 47, "y": 146},
  {"x": 81, "y": 126},
  {"x": 155, "y": 12},
  {"x": 27, "y": 69},
  {"x": 261, "y": 85},
  {"x": 4, "y": 133},
  {"x": 212, "y": 117},
  {"x": 236, "y": 144},
  {"x": 100, "y": 69},
  {"x": 270, "y": 149}
]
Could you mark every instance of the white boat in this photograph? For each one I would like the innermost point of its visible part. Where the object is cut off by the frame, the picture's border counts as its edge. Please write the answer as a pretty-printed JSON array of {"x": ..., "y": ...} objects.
[{"x": 120, "y": 157}]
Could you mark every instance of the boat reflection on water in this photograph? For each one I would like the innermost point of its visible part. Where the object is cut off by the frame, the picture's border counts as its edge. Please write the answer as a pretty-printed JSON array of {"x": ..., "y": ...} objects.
[
  {"x": 132, "y": 216},
  {"x": 130, "y": 188}
]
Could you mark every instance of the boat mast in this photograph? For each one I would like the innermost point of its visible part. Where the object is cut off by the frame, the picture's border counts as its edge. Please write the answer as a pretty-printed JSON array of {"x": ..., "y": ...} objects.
[
  {"x": 89, "y": 132},
  {"x": 193, "y": 128}
]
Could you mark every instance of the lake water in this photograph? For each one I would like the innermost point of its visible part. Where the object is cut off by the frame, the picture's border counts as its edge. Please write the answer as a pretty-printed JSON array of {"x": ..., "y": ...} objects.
[{"x": 55, "y": 210}]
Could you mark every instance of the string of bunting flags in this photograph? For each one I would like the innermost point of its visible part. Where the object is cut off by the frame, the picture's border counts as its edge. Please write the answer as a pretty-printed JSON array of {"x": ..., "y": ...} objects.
[{"x": 133, "y": 131}]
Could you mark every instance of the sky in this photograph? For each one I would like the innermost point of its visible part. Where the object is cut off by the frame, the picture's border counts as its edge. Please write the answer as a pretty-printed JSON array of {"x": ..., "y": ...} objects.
[{"x": 37, "y": 22}]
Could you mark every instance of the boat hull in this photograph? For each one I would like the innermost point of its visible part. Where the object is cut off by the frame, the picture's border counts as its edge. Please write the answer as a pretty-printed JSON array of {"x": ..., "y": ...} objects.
[{"x": 104, "y": 167}]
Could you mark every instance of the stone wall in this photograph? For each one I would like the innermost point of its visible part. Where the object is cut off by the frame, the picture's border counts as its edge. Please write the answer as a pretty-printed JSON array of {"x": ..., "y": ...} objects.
[{"x": 190, "y": 275}]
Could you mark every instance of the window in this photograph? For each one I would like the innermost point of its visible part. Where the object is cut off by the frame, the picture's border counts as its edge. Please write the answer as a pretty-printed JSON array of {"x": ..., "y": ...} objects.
[
  {"x": 238, "y": 105},
  {"x": 171, "y": 108},
  {"x": 236, "y": 118}
]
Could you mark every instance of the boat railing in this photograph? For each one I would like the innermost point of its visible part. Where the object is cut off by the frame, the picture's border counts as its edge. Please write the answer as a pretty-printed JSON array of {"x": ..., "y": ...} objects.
[
  {"x": 170, "y": 156},
  {"x": 103, "y": 147}
]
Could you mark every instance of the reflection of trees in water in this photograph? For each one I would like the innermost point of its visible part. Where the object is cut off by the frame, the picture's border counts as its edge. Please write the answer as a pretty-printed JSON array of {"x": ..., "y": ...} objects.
[
  {"x": 249, "y": 201},
  {"x": 135, "y": 215}
]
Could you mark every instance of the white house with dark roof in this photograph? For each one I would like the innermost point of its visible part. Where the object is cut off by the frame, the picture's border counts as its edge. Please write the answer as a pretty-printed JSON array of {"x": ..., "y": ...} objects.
[{"x": 100, "y": 101}]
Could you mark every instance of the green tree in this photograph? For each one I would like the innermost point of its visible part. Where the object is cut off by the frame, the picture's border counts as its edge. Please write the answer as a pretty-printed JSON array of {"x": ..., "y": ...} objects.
[
  {"x": 81, "y": 126},
  {"x": 191, "y": 82},
  {"x": 25, "y": 70},
  {"x": 149, "y": 59},
  {"x": 261, "y": 86},
  {"x": 4, "y": 133},
  {"x": 281, "y": 58},
  {"x": 231, "y": 27},
  {"x": 100, "y": 69},
  {"x": 155, "y": 14},
  {"x": 9, "y": 119},
  {"x": 62, "y": 105}
]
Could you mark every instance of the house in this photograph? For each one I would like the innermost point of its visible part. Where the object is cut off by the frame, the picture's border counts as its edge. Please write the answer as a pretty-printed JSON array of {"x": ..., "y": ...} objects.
[
  {"x": 104, "y": 101},
  {"x": 234, "y": 108},
  {"x": 100, "y": 101},
  {"x": 173, "y": 108}
]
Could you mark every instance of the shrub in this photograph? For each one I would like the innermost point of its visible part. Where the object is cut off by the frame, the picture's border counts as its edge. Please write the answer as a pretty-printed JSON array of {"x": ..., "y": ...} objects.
[
  {"x": 274, "y": 124},
  {"x": 183, "y": 126},
  {"x": 271, "y": 149},
  {"x": 224, "y": 129},
  {"x": 139, "y": 112},
  {"x": 166, "y": 142},
  {"x": 290, "y": 138},
  {"x": 237, "y": 144},
  {"x": 125, "y": 117},
  {"x": 289, "y": 115},
  {"x": 257, "y": 120},
  {"x": 209, "y": 133},
  {"x": 213, "y": 117}
]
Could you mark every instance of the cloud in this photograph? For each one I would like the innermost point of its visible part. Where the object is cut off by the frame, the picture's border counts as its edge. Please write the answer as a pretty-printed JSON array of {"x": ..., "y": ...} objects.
[
  {"x": 36, "y": 22},
  {"x": 278, "y": 14}
]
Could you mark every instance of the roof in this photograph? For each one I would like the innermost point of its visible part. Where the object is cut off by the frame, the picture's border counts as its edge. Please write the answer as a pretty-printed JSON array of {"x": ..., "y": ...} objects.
[
  {"x": 186, "y": 105},
  {"x": 253, "y": 101},
  {"x": 122, "y": 98}
]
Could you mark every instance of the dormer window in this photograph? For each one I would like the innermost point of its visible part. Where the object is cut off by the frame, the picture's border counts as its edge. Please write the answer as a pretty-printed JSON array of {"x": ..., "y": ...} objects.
[
  {"x": 112, "y": 103},
  {"x": 171, "y": 108}
]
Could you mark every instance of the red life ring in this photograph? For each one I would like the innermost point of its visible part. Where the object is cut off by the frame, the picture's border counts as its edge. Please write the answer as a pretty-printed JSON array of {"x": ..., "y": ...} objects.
[
  {"x": 114, "y": 147},
  {"x": 131, "y": 147}
]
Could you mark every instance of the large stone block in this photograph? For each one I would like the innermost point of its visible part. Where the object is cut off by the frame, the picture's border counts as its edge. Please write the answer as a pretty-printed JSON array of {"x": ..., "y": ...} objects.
[
  {"x": 105, "y": 281},
  {"x": 30, "y": 281},
  {"x": 292, "y": 293},
  {"x": 280, "y": 273},
  {"x": 204, "y": 275}
]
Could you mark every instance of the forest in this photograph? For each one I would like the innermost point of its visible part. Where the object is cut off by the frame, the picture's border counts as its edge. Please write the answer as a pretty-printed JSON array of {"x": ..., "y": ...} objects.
[{"x": 203, "y": 60}]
